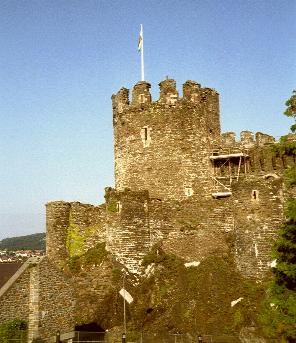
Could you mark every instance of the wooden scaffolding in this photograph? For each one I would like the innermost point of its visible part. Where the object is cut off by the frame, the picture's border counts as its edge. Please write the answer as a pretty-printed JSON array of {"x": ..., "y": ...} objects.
[{"x": 228, "y": 165}]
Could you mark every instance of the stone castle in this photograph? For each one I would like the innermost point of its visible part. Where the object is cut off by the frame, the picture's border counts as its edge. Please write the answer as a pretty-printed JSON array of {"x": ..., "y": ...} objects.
[{"x": 179, "y": 183}]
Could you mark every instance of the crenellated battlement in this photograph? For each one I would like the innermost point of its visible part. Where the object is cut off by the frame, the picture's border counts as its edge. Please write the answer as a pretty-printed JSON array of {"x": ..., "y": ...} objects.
[
  {"x": 247, "y": 139},
  {"x": 193, "y": 94}
]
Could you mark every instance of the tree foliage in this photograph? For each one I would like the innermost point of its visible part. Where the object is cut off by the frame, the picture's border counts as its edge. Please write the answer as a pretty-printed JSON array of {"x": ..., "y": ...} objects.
[
  {"x": 291, "y": 109},
  {"x": 13, "y": 330},
  {"x": 279, "y": 317}
]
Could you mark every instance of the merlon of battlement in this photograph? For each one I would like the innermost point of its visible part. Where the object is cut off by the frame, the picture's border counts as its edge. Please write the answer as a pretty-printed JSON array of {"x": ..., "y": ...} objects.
[
  {"x": 141, "y": 97},
  {"x": 141, "y": 93},
  {"x": 247, "y": 139}
]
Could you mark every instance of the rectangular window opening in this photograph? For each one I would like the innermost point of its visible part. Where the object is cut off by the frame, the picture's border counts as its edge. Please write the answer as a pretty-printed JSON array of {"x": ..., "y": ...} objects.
[{"x": 254, "y": 194}]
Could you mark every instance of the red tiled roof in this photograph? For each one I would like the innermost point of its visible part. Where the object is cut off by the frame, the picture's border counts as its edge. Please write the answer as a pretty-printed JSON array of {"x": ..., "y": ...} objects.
[{"x": 7, "y": 270}]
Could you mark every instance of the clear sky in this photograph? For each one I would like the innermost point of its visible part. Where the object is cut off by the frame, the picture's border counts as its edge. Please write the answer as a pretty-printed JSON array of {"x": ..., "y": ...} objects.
[{"x": 61, "y": 60}]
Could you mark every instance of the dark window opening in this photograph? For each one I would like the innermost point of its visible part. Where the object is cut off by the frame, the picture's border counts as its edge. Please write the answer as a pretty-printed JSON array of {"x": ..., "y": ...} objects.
[
  {"x": 142, "y": 98},
  {"x": 146, "y": 133},
  {"x": 255, "y": 195}
]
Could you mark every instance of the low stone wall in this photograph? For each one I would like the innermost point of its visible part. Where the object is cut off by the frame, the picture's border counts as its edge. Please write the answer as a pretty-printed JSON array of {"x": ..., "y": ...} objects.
[
  {"x": 14, "y": 302},
  {"x": 56, "y": 300},
  {"x": 41, "y": 295}
]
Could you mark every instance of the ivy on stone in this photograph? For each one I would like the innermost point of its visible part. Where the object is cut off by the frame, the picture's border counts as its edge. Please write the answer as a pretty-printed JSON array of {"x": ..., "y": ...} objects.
[
  {"x": 75, "y": 241},
  {"x": 279, "y": 316}
]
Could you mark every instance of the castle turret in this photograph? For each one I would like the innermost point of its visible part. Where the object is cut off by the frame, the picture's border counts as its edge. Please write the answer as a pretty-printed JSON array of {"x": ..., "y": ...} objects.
[
  {"x": 164, "y": 146},
  {"x": 57, "y": 221}
]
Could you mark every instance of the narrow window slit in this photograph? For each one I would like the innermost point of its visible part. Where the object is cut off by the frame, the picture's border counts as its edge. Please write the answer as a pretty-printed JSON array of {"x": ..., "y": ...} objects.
[{"x": 254, "y": 194}]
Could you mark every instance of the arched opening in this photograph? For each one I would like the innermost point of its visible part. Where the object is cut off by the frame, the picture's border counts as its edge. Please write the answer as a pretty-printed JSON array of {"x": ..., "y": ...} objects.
[{"x": 91, "y": 332}]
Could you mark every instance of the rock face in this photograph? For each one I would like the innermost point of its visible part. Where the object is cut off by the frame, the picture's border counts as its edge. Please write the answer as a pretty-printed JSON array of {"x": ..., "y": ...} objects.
[
  {"x": 181, "y": 188},
  {"x": 248, "y": 335}
]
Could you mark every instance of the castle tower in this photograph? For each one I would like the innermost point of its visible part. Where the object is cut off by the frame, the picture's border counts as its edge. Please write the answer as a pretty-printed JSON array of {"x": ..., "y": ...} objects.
[
  {"x": 57, "y": 221},
  {"x": 164, "y": 146}
]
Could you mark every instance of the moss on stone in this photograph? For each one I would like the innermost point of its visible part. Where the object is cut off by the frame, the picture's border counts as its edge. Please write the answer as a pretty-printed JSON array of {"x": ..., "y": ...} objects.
[
  {"x": 92, "y": 257},
  {"x": 95, "y": 255},
  {"x": 112, "y": 206},
  {"x": 75, "y": 240},
  {"x": 176, "y": 298}
]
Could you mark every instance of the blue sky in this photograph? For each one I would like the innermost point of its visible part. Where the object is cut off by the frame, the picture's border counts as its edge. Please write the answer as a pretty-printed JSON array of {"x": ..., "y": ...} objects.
[{"x": 62, "y": 60}]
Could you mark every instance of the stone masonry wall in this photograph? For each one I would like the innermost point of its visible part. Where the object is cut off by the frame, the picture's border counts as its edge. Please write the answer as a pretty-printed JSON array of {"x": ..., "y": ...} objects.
[
  {"x": 72, "y": 228},
  {"x": 128, "y": 233},
  {"x": 57, "y": 221},
  {"x": 42, "y": 296},
  {"x": 33, "y": 324},
  {"x": 56, "y": 300},
  {"x": 258, "y": 210},
  {"x": 14, "y": 303},
  {"x": 200, "y": 228},
  {"x": 163, "y": 146}
]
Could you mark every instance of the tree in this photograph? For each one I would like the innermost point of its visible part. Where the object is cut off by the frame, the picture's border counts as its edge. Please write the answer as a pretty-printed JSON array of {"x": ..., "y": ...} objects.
[
  {"x": 279, "y": 317},
  {"x": 291, "y": 109}
]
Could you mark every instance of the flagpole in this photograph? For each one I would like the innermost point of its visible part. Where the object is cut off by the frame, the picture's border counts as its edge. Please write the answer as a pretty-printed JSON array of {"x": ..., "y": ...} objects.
[
  {"x": 124, "y": 315},
  {"x": 142, "y": 56}
]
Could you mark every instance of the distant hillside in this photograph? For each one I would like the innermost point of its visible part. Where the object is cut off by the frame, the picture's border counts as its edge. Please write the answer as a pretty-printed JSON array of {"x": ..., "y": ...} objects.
[{"x": 35, "y": 241}]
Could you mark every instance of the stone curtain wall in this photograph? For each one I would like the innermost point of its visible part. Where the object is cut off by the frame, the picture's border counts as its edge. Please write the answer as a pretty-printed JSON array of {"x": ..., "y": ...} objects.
[
  {"x": 42, "y": 296},
  {"x": 256, "y": 223},
  {"x": 192, "y": 228},
  {"x": 163, "y": 146},
  {"x": 56, "y": 300},
  {"x": 129, "y": 231},
  {"x": 14, "y": 303},
  {"x": 198, "y": 227}
]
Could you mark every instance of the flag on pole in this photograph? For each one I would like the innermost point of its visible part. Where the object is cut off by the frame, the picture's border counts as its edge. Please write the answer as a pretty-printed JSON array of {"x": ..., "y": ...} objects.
[
  {"x": 141, "y": 48},
  {"x": 140, "y": 41}
]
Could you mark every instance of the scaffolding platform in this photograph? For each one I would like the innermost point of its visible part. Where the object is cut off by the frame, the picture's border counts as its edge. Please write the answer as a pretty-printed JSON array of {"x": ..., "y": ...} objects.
[
  {"x": 218, "y": 156},
  {"x": 218, "y": 195}
]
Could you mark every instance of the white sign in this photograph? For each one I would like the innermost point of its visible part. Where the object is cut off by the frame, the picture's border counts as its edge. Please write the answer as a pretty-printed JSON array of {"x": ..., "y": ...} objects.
[{"x": 126, "y": 296}]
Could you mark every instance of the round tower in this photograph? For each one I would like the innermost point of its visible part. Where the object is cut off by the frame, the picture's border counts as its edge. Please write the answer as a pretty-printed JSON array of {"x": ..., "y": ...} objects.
[
  {"x": 57, "y": 221},
  {"x": 164, "y": 146}
]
